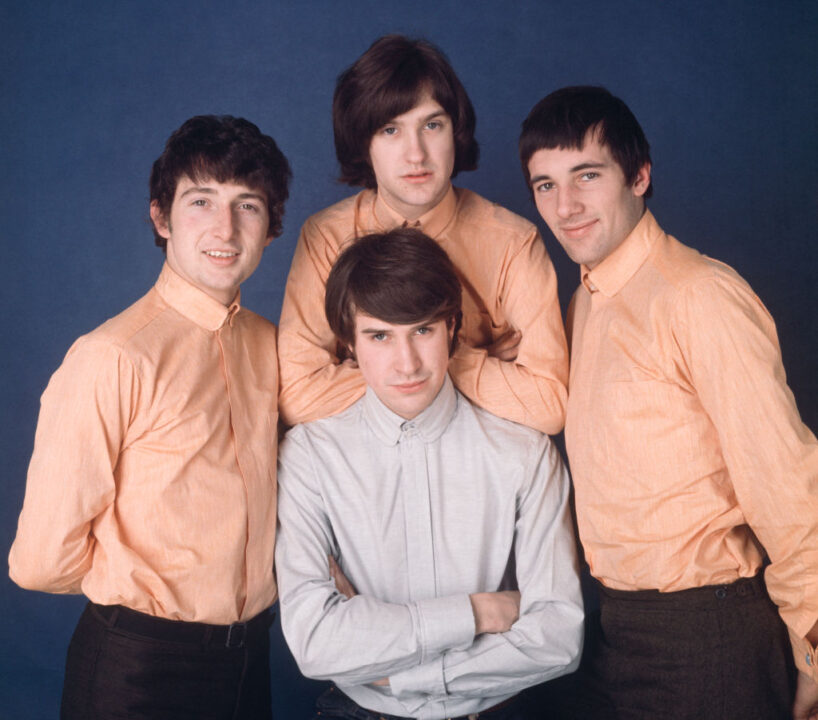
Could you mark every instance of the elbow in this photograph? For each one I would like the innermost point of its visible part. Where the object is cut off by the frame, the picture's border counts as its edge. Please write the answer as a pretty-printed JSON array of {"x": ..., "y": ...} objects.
[{"x": 34, "y": 571}]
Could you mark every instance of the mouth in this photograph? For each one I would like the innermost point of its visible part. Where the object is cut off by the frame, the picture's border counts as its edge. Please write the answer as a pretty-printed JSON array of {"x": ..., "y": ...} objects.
[
  {"x": 408, "y": 388},
  {"x": 418, "y": 177},
  {"x": 577, "y": 229},
  {"x": 221, "y": 253}
]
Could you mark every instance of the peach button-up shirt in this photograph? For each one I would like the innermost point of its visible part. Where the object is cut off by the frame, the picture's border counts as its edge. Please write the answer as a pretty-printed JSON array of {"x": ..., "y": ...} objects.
[
  {"x": 508, "y": 282},
  {"x": 152, "y": 482},
  {"x": 686, "y": 448}
]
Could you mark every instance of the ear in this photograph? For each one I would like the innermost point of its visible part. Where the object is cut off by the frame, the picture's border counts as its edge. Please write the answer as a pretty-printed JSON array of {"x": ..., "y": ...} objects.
[
  {"x": 642, "y": 182},
  {"x": 161, "y": 224}
]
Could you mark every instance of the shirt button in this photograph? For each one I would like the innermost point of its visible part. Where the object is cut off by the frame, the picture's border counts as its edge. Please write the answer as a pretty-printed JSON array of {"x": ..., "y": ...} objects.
[{"x": 721, "y": 593}]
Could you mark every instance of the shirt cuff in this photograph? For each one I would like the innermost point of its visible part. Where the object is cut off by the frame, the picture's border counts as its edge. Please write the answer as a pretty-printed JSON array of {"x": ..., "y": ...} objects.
[
  {"x": 806, "y": 658},
  {"x": 445, "y": 623},
  {"x": 425, "y": 679}
]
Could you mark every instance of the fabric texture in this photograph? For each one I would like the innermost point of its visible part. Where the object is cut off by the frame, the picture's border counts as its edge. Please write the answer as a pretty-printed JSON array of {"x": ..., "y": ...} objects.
[
  {"x": 113, "y": 672},
  {"x": 508, "y": 283},
  {"x": 152, "y": 482},
  {"x": 717, "y": 652},
  {"x": 419, "y": 514},
  {"x": 686, "y": 448}
]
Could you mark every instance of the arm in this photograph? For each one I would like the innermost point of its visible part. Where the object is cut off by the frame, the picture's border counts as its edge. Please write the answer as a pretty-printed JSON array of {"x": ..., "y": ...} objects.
[
  {"x": 352, "y": 641},
  {"x": 547, "y": 639},
  {"x": 83, "y": 415},
  {"x": 315, "y": 383},
  {"x": 728, "y": 342},
  {"x": 531, "y": 388}
]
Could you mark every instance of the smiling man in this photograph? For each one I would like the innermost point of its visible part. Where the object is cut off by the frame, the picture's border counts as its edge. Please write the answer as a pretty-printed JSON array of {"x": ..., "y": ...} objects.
[
  {"x": 404, "y": 127},
  {"x": 151, "y": 489},
  {"x": 686, "y": 448},
  {"x": 451, "y": 524}
]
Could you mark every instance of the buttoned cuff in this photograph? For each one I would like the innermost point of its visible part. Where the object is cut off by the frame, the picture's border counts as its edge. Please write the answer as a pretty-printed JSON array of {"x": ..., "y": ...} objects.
[
  {"x": 444, "y": 623},
  {"x": 806, "y": 658},
  {"x": 425, "y": 679}
]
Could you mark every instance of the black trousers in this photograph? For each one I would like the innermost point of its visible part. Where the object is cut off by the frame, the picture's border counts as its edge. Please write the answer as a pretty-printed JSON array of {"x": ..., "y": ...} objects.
[
  {"x": 716, "y": 652},
  {"x": 125, "y": 664}
]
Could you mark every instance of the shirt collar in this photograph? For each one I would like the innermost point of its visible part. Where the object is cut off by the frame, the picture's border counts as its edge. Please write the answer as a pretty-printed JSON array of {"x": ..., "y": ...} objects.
[
  {"x": 193, "y": 303},
  {"x": 430, "y": 424},
  {"x": 614, "y": 272},
  {"x": 432, "y": 222}
]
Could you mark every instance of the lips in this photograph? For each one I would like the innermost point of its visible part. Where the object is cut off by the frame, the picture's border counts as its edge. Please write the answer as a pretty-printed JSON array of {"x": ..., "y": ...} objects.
[
  {"x": 577, "y": 229},
  {"x": 408, "y": 388},
  {"x": 418, "y": 177}
]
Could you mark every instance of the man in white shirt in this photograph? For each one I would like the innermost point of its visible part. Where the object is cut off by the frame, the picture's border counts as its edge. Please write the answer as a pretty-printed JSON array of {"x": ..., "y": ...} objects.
[{"x": 450, "y": 523}]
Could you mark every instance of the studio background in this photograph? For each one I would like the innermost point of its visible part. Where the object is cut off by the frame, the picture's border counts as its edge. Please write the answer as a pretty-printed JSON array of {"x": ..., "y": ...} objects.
[{"x": 89, "y": 92}]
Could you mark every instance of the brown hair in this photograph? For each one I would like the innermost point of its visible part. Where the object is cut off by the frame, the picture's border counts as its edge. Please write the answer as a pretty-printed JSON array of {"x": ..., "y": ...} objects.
[
  {"x": 386, "y": 81},
  {"x": 563, "y": 119},
  {"x": 401, "y": 277},
  {"x": 222, "y": 148}
]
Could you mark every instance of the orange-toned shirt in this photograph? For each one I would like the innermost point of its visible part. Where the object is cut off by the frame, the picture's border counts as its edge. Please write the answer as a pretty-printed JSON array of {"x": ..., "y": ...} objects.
[
  {"x": 685, "y": 444},
  {"x": 508, "y": 282},
  {"x": 152, "y": 482}
]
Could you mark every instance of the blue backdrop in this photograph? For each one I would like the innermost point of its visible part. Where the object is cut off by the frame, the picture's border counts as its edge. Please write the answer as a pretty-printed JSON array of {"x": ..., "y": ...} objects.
[{"x": 726, "y": 93}]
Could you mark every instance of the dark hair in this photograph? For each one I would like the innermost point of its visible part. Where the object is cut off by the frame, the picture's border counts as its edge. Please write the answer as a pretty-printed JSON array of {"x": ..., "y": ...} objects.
[
  {"x": 401, "y": 277},
  {"x": 222, "y": 148},
  {"x": 563, "y": 119},
  {"x": 387, "y": 81}
]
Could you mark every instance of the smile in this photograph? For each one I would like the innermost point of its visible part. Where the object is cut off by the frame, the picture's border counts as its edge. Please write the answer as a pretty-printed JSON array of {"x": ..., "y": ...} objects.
[
  {"x": 410, "y": 387},
  {"x": 221, "y": 253},
  {"x": 575, "y": 230}
]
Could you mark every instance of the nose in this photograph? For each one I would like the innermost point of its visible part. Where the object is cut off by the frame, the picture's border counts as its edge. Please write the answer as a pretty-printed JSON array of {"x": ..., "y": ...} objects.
[
  {"x": 407, "y": 360},
  {"x": 224, "y": 223},
  {"x": 415, "y": 147},
  {"x": 568, "y": 202}
]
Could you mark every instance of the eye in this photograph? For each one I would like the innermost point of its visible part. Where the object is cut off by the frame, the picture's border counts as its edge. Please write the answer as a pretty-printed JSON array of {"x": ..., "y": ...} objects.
[
  {"x": 249, "y": 206},
  {"x": 590, "y": 175},
  {"x": 425, "y": 330},
  {"x": 199, "y": 202},
  {"x": 378, "y": 337},
  {"x": 389, "y": 130},
  {"x": 434, "y": 125},
  {"x": 544, "y": 187}
]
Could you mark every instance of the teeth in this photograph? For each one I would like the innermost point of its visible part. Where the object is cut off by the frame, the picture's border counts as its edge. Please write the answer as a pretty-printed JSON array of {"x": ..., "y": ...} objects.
[{"x": 220, "y": 254}]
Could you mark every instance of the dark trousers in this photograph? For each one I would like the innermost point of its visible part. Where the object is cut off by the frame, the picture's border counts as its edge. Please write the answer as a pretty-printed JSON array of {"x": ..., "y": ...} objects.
[
  {"x": 716, "y": 652},
  {"x": 125, "y": 664},
  {"x": 334, "y": 705}
]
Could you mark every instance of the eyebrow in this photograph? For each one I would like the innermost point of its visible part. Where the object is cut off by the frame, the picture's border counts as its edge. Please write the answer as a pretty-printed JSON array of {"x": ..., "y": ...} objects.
[
  {"x": 576, "y": 168},
  {"x": 211, "y": 191},
  {"x": 411, "y": 326}
]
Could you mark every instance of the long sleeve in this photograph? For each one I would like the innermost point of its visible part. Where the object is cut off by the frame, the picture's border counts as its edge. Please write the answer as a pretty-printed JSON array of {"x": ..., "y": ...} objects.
[
  {"x": 531, "y": 390},
  {"x": 354, "y": 641},
  {"x": 83, "y": 416},
  {"x": 729, "y": 343},
  {"x": 314, "y": 382},
  {"x": 547, "y": 639}
]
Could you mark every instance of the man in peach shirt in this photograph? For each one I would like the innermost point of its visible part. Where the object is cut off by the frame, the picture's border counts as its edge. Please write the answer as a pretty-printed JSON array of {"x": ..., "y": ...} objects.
[
  {"x": 404, "y": 127},
  {"x": 696, "y": 482},
  {"x": 152, "y": 484}
]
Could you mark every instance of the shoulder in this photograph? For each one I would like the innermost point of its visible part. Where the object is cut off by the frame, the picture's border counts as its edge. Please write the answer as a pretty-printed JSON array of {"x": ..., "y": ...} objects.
[
  {"x": 121, "y": 334},
  {"x": 489, "y": 433},
  {"x": 319, "y": 436},
  {"x": 338, "y": 215},
  {"x": 474, "y": 209},
  {"x": 261, "y": 328}
]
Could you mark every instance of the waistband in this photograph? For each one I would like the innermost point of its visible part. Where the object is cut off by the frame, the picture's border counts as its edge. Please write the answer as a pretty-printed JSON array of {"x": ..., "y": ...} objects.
[
  {"x": 703, "y": 597},
  {"x": 138, "y": 623}
]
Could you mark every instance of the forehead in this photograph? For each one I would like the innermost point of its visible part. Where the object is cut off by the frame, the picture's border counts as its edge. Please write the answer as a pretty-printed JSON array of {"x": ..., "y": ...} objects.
[
  {"x": 426, "y": 106},
  {"x": 550, "y": 161},
  {"x": 367, "y": 323},
  {"x": 209, "y": 185}
]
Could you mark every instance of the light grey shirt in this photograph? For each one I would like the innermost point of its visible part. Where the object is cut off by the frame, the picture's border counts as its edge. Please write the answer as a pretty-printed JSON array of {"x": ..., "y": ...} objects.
[{"x": 419, "y": 514}]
